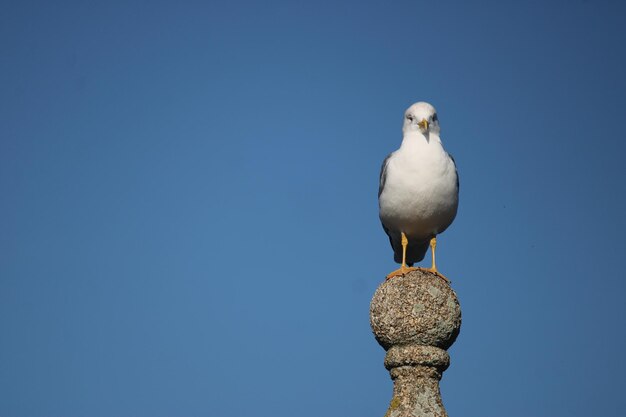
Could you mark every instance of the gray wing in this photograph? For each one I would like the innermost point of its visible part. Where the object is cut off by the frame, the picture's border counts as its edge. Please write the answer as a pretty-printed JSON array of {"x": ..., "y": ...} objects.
[
  {"x": 381, "y": 187},
  {"x": 456, "y": 171},
  {"x": 383, "y": 175}
]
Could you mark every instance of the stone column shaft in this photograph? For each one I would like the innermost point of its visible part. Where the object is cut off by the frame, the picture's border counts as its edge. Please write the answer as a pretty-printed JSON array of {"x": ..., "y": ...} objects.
[{"x": 415, "y": 318}]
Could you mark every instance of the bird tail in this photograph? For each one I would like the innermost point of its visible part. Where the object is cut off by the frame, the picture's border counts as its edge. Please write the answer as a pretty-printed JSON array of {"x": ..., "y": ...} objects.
[{"x": 415, "y": 252}]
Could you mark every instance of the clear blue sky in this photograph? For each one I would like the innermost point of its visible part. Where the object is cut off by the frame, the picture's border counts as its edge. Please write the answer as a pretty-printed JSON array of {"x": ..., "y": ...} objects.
[{"x": 189, "y": 223}]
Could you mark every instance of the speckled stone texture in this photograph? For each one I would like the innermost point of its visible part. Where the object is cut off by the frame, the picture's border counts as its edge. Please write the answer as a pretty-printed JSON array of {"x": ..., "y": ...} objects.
[{"x": 415, "y": 318}]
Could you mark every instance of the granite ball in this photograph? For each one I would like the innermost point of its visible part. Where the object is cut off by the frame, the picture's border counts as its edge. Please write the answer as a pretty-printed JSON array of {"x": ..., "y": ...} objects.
[{"x": 419, "y": 308}]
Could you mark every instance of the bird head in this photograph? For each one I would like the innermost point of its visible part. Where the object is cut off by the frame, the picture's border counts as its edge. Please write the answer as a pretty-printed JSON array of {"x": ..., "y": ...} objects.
[{"x": 421, "y": 117}]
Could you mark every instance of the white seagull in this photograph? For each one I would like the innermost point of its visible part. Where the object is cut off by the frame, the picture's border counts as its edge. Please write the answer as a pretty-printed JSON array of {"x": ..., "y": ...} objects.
[{"x": 418, "y": 193}]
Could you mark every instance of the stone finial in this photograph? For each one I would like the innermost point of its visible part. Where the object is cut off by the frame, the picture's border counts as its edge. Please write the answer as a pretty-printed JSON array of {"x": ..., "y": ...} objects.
[{"x": 415, "y": 318}]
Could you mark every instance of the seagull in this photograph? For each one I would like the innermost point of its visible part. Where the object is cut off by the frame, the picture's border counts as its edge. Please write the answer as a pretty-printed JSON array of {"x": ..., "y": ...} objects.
[{"x": 418, "y": 194}]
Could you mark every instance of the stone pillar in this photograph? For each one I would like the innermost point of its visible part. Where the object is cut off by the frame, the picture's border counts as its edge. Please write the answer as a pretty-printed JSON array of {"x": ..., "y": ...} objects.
[{"x": 416, "y": 318}]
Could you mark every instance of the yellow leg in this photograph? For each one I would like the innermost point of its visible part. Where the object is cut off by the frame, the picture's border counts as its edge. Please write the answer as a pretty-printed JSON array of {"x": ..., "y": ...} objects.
[
  {"x": 405, "y": 243},
  {"x": 433, "y": 246},
  {"x": 403, "y": 269}
]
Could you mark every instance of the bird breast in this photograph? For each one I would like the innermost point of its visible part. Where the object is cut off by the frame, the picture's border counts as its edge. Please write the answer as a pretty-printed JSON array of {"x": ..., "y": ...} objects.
[{"x": 420, "y": 196}]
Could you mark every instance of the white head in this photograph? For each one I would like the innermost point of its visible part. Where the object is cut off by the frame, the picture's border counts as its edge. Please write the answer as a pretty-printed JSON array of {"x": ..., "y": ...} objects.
[{"x": 421, "y": 117}]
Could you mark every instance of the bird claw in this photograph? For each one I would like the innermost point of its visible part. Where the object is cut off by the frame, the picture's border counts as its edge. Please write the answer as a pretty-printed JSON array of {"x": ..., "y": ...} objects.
[
  {"x": 439, "y": 274},
  {"x": 401, "y": 272}
]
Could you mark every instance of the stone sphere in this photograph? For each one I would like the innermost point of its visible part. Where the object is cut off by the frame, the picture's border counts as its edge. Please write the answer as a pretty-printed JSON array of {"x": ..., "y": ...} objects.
[{"x": 418, "y": 308}]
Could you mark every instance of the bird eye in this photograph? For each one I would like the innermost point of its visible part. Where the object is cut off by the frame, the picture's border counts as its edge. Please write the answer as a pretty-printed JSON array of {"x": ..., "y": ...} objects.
[
  {"x": 410, "y": 117},
  {"x": 435, "y": 117}
]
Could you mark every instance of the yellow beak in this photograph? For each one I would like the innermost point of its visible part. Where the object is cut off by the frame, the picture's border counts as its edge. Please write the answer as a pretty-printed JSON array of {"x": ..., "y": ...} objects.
[{"x": 423, "y": 124}]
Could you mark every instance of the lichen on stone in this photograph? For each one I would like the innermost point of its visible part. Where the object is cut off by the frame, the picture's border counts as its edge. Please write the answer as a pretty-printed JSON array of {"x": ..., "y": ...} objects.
[{"x": 416, "y": 317}]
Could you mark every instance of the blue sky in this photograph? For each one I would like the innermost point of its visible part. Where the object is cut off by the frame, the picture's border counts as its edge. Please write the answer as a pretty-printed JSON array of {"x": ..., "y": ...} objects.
[{"x": 189, "y": 223}]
